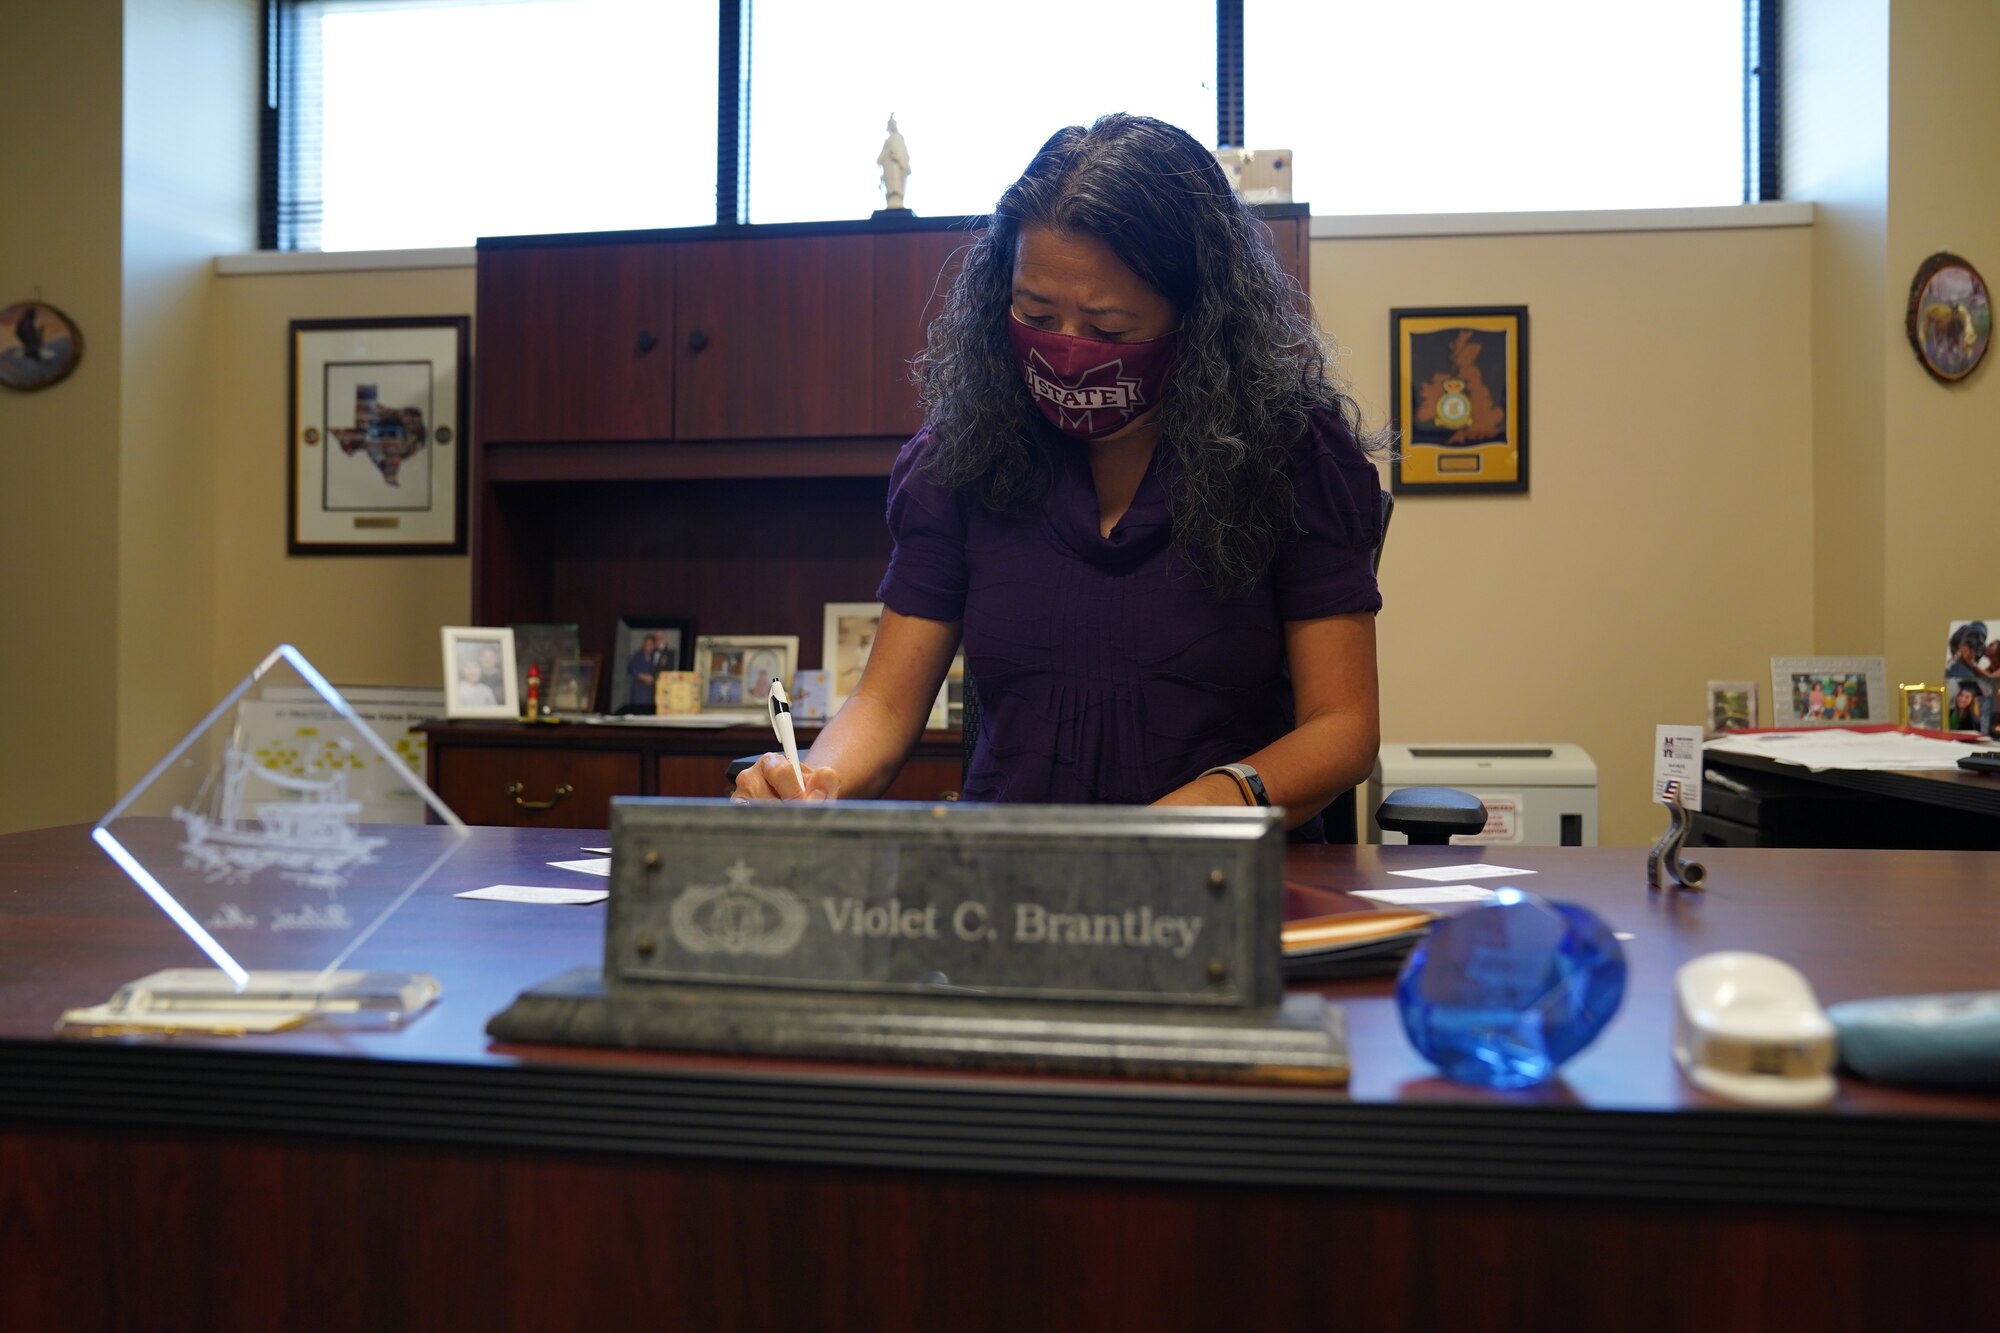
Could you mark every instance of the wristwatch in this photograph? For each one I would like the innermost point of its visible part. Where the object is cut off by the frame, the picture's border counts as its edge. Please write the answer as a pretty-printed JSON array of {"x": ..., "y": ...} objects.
[{"x": 1247, "y": 782}]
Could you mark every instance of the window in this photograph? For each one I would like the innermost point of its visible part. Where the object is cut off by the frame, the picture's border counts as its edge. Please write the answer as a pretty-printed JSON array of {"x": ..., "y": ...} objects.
[
  {"x": 434, "y": 122},
  {"x": 1465, "y": 106},
  {"x": 824, "y": 79},
  {"x": 404, "y": 123}
]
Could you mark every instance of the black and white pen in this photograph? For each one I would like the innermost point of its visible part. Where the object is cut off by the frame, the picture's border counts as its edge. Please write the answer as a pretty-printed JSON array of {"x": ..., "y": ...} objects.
[{"x": 780, "y": 709}]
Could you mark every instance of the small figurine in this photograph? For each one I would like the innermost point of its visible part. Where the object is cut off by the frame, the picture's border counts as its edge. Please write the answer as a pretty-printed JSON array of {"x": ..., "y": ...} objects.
[
  {"x": 894, "y": 160},
  {"x": 533, "y": 708}
]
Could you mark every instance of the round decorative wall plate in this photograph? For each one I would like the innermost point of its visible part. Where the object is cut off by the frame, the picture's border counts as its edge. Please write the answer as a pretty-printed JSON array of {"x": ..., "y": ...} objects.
[
  {"x": 1950, "y": 319},
  {"x": 38, "y": 345}
]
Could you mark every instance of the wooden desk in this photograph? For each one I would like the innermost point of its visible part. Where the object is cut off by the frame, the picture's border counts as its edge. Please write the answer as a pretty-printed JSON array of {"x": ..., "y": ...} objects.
[
  {"x": 432, "y": 1179},
  {"x": 1923, "y": 809}
]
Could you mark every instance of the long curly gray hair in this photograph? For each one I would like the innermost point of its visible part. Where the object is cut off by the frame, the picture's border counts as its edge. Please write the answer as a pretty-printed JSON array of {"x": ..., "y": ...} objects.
[{"x": 1250, "y": 365}]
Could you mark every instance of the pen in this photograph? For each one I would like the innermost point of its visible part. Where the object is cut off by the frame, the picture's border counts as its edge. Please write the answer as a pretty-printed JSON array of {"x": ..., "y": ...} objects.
[{"x": 780, "y": 709}]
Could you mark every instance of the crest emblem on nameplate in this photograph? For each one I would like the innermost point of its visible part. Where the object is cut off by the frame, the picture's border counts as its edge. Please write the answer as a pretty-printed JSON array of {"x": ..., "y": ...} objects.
[{"x": 738, "y": 917}]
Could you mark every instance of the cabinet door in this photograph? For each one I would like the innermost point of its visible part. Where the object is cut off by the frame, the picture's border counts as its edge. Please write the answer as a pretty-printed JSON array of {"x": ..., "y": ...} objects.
[
  {"x": 574, "y": 343},
  {"x": 534, "y": 785},
  {"x": 913, "y": 270},
  {"x": 926, "y": 779},
  {"x": 774, "y": 338}
]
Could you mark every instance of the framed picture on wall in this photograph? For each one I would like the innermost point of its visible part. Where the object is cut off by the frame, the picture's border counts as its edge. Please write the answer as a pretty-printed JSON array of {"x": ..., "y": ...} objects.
[
  {"x": 1829, "y": 691},
  {"x": 1458, "y": 382},
  {"x": 375, "y": 457},
  {"x": 1949, "y": 320}
]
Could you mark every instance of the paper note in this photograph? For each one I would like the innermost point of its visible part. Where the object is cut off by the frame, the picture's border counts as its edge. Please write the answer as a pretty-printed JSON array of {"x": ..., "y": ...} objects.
[
  {"x": 1470, "y": 870},
  {"x": 596, "y": 865},
  {"x": 597, "y": 851},
  {"x": 1430, "y": 893},
  {"x": 529, "y": 893}
]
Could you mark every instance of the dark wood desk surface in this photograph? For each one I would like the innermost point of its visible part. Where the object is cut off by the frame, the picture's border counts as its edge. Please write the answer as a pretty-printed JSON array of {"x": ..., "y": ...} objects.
[
  {"x": 1954, "y": 789},
  {"x": 1578, "y": 1181}
]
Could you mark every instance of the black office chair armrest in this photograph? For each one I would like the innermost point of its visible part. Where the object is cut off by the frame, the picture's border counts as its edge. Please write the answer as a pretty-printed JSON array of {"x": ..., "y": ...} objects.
[
  {"x": 1428, "y": 816},
  {"x": 737, "y": 766}
]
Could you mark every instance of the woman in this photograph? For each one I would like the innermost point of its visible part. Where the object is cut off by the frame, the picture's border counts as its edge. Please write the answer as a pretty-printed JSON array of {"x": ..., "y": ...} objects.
[
  {"x": 1139, "y": 498},
  {"x": 1965, "y": 707}
]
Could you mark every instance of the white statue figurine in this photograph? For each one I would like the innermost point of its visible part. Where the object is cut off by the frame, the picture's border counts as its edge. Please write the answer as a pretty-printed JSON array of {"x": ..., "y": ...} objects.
[{"x": 895, "y": 163}]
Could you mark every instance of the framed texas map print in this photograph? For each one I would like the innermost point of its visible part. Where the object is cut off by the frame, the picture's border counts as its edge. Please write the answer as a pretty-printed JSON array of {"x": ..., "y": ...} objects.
[
  {"x": 1459, "y": 399},
  {"x": 376, "y": 460}
]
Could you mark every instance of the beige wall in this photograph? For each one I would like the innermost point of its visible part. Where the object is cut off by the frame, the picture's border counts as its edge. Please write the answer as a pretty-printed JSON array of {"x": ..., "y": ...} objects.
[
  {"x": 59, "y": 541},
  {"x": 1666, "y": 537},
  {"x": 190, "y": 153},
  {"x": 1944, "y": 194},
  {"x": 360, "y": 619},
  {"x": 1836, "y": 153}
]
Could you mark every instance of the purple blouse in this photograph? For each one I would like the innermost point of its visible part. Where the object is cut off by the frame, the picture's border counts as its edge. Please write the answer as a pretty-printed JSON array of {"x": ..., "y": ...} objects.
[{"x": 1105, "y": 672}]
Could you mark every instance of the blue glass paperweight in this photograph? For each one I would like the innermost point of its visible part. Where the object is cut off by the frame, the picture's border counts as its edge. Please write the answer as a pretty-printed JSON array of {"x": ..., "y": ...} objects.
[{"x": 1503, "y": 994}]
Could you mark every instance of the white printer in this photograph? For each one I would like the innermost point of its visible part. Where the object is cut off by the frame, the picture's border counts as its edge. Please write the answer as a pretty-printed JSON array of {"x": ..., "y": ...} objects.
[{"x": 1535, "y": 795}]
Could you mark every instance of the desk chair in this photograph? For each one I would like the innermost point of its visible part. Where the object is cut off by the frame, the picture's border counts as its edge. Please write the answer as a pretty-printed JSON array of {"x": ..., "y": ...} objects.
[{"x": 1427, "y": 816}]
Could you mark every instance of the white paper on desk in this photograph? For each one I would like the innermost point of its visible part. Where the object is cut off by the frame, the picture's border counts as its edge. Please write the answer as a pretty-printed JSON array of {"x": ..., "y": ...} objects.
[
  {"x": 1470, "y": 870},
  {"x": 1430, "y": 893},
  {"x": 596, "y": 851},
  {"x": 596, "y": 865},
  {"x": 531, "y": 893},
  {"x": 1832, "y": 747}
]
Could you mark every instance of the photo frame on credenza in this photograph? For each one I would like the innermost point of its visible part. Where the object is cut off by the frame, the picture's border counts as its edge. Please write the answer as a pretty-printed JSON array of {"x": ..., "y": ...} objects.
[
  {"x": 737, "y": 671},
  {"x": 641, "y": 648},
  {"x": 1732, "y": 706},
  {"x": 480, "y": 680},
  {"x": 847, "y": 637},
  {"x": 1830, "y": 691}
]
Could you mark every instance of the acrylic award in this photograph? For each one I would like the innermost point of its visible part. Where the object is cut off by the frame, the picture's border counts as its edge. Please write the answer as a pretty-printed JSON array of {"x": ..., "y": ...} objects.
[{"x": 279, "y": 837}]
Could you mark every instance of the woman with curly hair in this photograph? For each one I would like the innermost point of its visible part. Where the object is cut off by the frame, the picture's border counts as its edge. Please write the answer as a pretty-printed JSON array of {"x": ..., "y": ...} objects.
[{"x": 1140, "y": 501}]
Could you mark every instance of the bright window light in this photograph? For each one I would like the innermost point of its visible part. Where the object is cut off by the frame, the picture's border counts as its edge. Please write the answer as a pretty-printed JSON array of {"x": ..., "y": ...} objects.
[
  {"x": 440, "y": 126},
  {"x": 1465, "y": 106},
  {"x": 975, "y": 92}
]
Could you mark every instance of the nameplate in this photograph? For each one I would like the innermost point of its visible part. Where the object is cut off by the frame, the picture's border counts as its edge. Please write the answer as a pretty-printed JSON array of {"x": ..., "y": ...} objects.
[{"x": 1077, "y": 904}]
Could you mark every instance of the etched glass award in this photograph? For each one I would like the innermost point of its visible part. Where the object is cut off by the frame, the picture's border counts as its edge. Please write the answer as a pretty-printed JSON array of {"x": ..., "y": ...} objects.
[{"x": 269, "y": 835}]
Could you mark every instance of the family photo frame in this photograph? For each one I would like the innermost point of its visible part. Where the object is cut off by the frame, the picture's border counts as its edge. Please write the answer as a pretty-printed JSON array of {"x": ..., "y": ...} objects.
[
  {"x": 737, "y": 671},
  {"x": 480, "y": 676},
  {"x": 1458, "y": 382},
  {"x": 1922, "y": 707},
  {"x": 573, "y": 686},
  {"x": 1829, "y": 691},
  {"x": 375, "y": 459},
  {"x": 643, "y": 647},
  {"x": 847, "y": 637},
  {"x": 1971, "y": 672}
]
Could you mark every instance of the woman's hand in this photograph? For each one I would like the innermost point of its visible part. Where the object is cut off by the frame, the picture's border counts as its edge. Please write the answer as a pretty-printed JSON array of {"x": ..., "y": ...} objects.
[{"x": 771, "y": 779}]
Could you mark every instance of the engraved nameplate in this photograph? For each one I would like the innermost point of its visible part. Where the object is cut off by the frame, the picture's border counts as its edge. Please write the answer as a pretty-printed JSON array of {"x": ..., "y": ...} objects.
[{"x": 1127, "y": 904}]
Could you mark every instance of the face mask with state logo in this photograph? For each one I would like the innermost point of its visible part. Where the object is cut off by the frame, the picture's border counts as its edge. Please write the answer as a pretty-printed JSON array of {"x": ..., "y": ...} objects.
[{"x": 1087, "y": 387}]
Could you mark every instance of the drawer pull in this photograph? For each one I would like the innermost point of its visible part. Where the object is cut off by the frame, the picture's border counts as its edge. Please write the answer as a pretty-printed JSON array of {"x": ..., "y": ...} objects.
[{"x": 514, "y": 790}]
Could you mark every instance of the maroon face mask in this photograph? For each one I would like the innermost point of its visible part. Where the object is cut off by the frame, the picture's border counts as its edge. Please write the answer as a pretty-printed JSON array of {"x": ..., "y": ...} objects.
[{"x": 1087, "y": 387}]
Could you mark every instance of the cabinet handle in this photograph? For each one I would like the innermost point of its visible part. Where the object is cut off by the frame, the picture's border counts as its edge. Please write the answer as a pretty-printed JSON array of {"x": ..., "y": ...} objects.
[
  {"x": 697, "y": 340},
  {"x": 514, "y": 790},
  {"x": 647, "y": 342}
]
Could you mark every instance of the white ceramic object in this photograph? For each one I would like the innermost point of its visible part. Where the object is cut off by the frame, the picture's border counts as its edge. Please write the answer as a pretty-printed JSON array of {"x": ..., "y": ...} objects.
[{"x": 1748, "y": 1027}]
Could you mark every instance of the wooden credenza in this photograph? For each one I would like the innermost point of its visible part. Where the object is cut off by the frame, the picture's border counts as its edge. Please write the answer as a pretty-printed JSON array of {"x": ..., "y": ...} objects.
[
  {"x": 697, "y": 423},
  {"x": 563, "y": 775}
]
